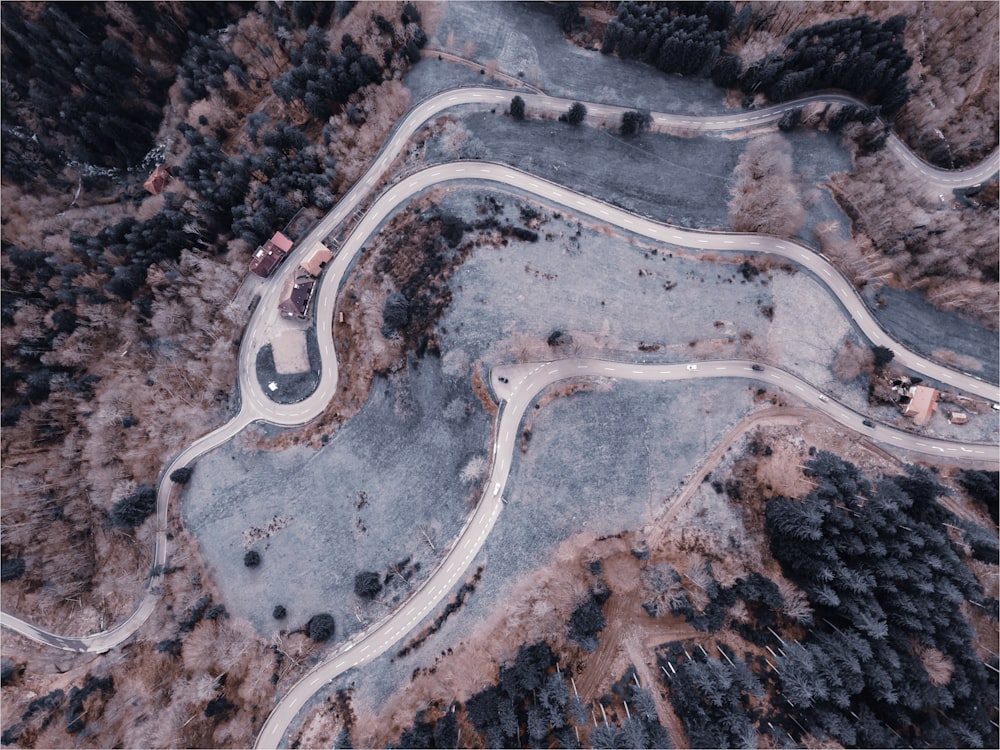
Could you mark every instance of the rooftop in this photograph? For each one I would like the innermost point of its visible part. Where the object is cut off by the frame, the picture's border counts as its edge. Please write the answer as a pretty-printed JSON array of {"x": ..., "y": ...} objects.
[
  {"x": 923, "y": 401},
  {"x": 319, "y": 257},
  {"x": 267, "y": 257}
]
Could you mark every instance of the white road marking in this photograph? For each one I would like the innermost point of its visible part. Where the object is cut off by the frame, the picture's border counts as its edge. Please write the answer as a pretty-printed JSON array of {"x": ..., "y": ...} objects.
[{"x": 266, "y": 409}]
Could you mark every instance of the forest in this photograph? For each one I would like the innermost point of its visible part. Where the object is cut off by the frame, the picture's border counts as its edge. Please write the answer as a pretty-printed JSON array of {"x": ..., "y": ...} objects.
[
  {"x": 119, "y": 331},
  {"x": 880, "y": 653},
  {"x": 884, "y": 657},
  {"x": 858, "y": 55},
  {"x": 534, "y": 702},
  {"x": 118, "y": 343},
  {"x": 230, "y": 189}
]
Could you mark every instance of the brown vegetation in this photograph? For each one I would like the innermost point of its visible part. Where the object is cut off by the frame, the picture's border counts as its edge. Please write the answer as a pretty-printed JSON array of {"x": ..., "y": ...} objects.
[
  {"x": 152, "y": 381},
  {"x": 172, "y": 383},
  {"x": 924, "y": 242},
  {"x": 765, "y": 197},
  {"x": 851, "y": 361},
  {"x": 951, "y": 117},
  {"x": 162, "y": 684}
]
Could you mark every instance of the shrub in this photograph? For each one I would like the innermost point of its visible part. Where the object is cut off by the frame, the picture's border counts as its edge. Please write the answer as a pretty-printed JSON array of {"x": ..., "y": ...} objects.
[
  {"x": 517, "y": 108},
  {"x": 11, "y": 570},
  {"x": 279, "y": 612},
  {"x": 367, "y": 584},
  {"x": 321, "y": 627},
  {"x": 585, "y": 623},
  {"x": 131, "y": 511},
  {"x": 252, "y": 558},
  {"x": 577, "y": 113},
  {"x": 181, "y": 475},
  {"x": 396, "y": 312},
  {"x": 634, "y": 122},
  {"x": 7, "y": 671}
]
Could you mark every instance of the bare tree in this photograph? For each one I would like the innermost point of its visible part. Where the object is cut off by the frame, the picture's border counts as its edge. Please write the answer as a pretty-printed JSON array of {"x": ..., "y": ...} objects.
[{"x": 765, "y": 197}]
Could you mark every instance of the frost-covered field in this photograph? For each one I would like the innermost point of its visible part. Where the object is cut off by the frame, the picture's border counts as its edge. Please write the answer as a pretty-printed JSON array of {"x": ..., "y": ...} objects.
[{"x": 358, "y": 503}]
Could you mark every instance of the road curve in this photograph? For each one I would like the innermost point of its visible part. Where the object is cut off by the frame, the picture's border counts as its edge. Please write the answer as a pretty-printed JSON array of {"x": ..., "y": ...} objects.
[
  {"x": 517, "y": 386},
  {"x": 266, "y": 315},
  {"x": 257, "y": 406},
  {"x": 514, "y": 179}
]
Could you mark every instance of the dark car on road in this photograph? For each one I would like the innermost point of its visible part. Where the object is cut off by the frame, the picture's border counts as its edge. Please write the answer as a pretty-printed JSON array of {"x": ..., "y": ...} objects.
[
  {"x": 757, "y": 368},
  {"x": 868, "y": 423}
]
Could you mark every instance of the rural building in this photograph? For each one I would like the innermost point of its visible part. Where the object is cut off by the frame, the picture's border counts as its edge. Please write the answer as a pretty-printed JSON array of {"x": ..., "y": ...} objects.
[
  {"x": 157, "y": 182},
  {"x": 958, "y": 417},
  {"x": 268, "y": 256},
  {"x": 295, "y": 300},
  {"x": 319, "y": 257},
  {"x": 923, "y": 401}
]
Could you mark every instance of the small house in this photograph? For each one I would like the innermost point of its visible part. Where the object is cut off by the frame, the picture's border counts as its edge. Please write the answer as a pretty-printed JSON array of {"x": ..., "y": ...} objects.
[
  {"x": 923, "y": 401},
  {"x": 958, "y": 417},
  {"x": 297, "y": 294},
  {"x": 318, "y": 258},
  {"x": 268, "y": 256}
]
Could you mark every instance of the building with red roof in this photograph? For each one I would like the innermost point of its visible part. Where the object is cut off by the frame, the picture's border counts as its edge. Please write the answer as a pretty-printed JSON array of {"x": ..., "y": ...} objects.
[
  {"x": 297, "y": 294},
  {"x": 268, "y": 256}
]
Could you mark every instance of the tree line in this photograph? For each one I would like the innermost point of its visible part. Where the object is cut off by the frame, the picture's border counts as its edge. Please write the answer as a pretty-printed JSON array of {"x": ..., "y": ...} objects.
[
  {"x": 74, "y": 88},
  {"x": 858, "y": 55},
  {"x": 685, "y": 38},
  {"x": 885, "y": 658}
]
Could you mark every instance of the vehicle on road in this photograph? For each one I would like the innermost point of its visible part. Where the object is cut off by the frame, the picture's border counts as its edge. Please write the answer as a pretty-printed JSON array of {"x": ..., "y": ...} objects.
[
  {"x": 756, "y": 368},
  {"x": 496, "y": 489},
  {"x": 868, "y": 423},
  {"x": 823, "y": 397},
  {"x": 502, "y": 379},
  {"x": 692, "y": 367}
]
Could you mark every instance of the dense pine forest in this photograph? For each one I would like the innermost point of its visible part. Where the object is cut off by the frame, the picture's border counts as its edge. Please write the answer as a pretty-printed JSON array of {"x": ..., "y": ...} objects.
[
  {"x": 882, "y": 654},
  {"x": 858, "y": 55}
]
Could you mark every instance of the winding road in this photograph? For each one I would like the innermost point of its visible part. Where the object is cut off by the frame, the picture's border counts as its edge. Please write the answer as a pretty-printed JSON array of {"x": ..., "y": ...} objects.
[{"x": 523, "y": 381}]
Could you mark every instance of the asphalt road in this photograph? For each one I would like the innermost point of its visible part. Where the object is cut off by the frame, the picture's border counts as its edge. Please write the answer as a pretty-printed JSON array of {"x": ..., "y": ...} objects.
[
  {"x": 517, "y": 386},
  {"x": 266, "y": 323},
  {"x": 371, "y": 644}
]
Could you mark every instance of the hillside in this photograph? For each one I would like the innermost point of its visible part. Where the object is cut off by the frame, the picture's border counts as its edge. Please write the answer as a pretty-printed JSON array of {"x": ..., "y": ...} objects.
[{"x": 149, "y": 148}]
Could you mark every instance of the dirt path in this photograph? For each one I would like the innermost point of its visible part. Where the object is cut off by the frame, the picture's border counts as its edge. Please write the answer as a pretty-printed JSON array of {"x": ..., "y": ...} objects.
[
  {"x": 770, "y": 417},
  {"x": 603, "y": 667},
  {"x": 639, "y": 650}
]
